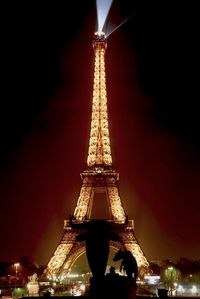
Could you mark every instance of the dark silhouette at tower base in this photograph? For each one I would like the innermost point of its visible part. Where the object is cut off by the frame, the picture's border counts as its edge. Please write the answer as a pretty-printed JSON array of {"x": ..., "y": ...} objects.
[{"x": 97, "y": 234}]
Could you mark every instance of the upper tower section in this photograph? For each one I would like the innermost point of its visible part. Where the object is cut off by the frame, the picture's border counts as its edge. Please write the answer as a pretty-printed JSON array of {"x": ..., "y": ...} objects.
[{"x": 99, "y": 153}]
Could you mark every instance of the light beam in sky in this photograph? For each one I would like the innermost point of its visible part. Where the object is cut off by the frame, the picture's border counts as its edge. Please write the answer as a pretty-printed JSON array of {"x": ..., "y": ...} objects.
[
  {"x": 109, "y": 32},
  {"x": 103, "y": 7}
]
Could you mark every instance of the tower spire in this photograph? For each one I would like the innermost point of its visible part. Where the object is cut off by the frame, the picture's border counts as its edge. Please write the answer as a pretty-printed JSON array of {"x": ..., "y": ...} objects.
[{"x": 99, "y": 152}]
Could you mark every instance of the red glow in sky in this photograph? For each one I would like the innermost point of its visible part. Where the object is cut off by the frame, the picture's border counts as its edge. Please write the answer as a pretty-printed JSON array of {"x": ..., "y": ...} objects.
[{"x": 159, "y": 169}]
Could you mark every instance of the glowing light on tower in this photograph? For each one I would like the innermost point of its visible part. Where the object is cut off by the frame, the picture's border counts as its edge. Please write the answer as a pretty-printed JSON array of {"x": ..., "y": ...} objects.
[
  {"x": 103, "y": 7},
  {"x": 99, "y": 147}
]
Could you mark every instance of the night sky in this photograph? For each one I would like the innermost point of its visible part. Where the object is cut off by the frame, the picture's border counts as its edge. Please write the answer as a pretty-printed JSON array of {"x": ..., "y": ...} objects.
[{"x": 152, "y": 66}]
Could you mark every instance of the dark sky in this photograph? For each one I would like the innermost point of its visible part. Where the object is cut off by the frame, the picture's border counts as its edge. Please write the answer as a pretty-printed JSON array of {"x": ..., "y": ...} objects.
[{"x": 152, "y": 66}]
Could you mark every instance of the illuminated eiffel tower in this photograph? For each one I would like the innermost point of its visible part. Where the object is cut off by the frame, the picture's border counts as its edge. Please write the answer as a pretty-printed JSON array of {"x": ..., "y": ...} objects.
[{"x": 99, "y": 177}]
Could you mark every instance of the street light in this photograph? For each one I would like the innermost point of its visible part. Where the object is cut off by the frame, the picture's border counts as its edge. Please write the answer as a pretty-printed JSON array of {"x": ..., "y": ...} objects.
[
  {"x": 175, "y": 285},
  {"x": 171, "y": 269},
  {"x": 16, "y": 265}
]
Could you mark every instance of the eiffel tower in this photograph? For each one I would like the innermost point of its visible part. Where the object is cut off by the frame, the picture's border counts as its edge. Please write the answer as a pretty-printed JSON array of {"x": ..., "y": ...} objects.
[{"x": 99, "y": 177}]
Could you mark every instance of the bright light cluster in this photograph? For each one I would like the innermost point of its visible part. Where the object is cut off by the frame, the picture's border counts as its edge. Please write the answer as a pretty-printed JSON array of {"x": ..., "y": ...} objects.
[
  {"x": 99, "y": 145},
  {"x": 116, "y": 204},
  {"x": 83, "y": 203},
  {"x": 100, "y": 34},
  {"x": 58, "y": 258}
]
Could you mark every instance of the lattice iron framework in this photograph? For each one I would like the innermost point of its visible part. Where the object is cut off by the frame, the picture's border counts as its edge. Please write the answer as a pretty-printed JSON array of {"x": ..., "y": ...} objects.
[
  {"x": 99, "y": 177},
  {"x": 99, "y": 146}
]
